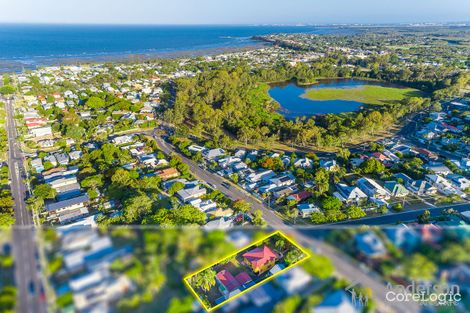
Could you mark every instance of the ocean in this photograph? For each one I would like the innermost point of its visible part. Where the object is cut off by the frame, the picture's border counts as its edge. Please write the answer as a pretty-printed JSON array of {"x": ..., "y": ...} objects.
[{"x": 27, "y": 46}]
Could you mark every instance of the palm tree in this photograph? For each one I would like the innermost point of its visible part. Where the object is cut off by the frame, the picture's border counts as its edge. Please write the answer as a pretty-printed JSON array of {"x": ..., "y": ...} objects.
[{"x": 204, "y": 280}]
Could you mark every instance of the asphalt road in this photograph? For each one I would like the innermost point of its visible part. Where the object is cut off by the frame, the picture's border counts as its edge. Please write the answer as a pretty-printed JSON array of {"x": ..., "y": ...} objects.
[
  {"x": 345, "y": 266},
  {"x": 408, "y": 216},
  {"x": 27, "y": 279}
]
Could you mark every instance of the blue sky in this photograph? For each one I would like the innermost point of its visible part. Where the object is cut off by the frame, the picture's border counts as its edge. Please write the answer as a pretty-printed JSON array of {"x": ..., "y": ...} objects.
[{"x": 233, "y": 11}]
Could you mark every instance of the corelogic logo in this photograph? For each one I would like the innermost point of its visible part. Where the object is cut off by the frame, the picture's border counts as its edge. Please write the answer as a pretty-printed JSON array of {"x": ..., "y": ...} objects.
[
  {"x": 358, "y": 298},
  {"x": 437, "y": 295}
]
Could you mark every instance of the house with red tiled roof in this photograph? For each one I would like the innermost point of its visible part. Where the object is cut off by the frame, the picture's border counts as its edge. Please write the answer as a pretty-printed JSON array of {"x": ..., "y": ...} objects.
[
  {"x": 168, "y": 173},
  {"x": 300, "y": 196},
  {"x": 228, "y": 284},
  {"x": 260, "y": 259}
]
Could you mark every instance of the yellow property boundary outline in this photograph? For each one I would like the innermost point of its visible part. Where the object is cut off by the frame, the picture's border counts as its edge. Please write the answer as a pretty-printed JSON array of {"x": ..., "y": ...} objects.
[{"x": 195, "y": 294}]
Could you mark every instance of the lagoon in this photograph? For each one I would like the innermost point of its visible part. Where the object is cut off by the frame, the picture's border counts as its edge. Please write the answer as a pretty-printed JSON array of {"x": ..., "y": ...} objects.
[{"x": 333, "y": 96}]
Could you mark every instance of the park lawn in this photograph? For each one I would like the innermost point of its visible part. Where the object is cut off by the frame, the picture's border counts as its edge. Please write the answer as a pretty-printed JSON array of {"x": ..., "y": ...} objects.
[{"x": 376, "y": 95}]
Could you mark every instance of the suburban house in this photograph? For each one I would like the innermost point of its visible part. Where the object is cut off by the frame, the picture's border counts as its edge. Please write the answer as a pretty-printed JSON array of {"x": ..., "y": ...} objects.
[
  {"x": 372, "y": 188},
  {"x": 62, "y": 158},
  {"x": 422, "y": 187},
  {"x": 41, "y": 131},
  {"x": 304, "y": 163},
  {"x": 196, "y": 148},
  {"x": 213, "y": 153},
  {"x": 307, "y": 209},
  {"x": 370, "y": 245},
  {"x": 438, "y": 168},
  {"x": 300, "y": 196},
  {"x": 284, "y": 191},
  {"x": 294, "y": 280},
  {"x": 459, "y": 181},
  {"x": 336, "y": 302},
  {"x": 286, "y": 179},
  {"x": 191, "y": 193},
  {"x": 37, "y": 165},
  {"x": 403, "y": 237},
  {"x": 396, "y": 189},
  {"x": 64, "y": 207},
  {"x": 261, "y": 175},
  {"x": 168, "y": 173},
  {"x": 229, "y": 285},
  {"x": 260, "y": 259},
  {"x": 329, "y": 165},
  {"x": 349, "y": 194},
  {"x": 443, "y": 185},
  {"x": 122, "y": 140}
]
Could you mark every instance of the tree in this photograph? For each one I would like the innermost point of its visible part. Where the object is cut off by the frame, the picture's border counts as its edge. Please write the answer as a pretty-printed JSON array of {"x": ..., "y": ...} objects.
[
  {"x": 6, "y": 219},
  {"x": 319, "y": 266},
  {"x": 122, "y": 177},
  {"x": 241, "y": 206},
  {"x": 293, "y": 256},
  {"x": 335, "y": 215},
  {"x": 288, "y": 305},
  {"x": 344, "y": 154},
  {"x": 258, "y": 218},
  {"x": 424, "y": 218},
  {"x": 318, "y": 218},
  {"x": 44, "y": 191},
  {"x": 322, "y": 181},
  {"x": 456, "y": 253},
  {"x": 75, "y": 132},
  {"x": 436, "y": 106},
  {"x": 92, "y": 181},
  {"x": 137, "y": 207},
  {"x": 187, "y": 214},
  {"x": 355, "y": 212},
  {"x": 372, "y": 166},
  {"x": 204, "y": 280},
  {"x": 48, "y": 165},
  {"x": 7, "y": 90},
  {"x": 177, "y": 305},
  {"x": 331, "y": 203},
  {"x": 95, "y": 103},
  {"x": 418, "y": 267},
  {"x": 175, "y": 187},
  {"x": 234, "y": 177}
]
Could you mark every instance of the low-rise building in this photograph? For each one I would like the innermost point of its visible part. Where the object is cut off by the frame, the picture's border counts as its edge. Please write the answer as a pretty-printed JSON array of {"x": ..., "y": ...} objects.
[
  {"x": 372, "y": 189},
  {"x": 191, "y": 193}
]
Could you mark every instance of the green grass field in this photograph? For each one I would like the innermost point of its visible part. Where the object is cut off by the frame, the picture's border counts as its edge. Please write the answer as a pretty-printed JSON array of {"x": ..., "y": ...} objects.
[{"x": 368, "y": 94}]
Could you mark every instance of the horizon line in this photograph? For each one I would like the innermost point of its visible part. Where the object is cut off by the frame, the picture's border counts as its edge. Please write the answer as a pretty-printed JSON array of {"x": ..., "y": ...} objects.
[{"x": 298, "y": 24}]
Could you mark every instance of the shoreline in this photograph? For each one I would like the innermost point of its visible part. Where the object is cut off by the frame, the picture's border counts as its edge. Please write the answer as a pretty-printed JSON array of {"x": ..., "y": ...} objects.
[{"x": 20, "y": 65}]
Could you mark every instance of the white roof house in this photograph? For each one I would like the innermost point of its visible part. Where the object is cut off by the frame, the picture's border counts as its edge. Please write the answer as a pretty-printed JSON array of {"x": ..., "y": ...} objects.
[
  {"x": 213, "y": 153},
  {"x": 294, "y": 280},
  {"x": 372, "y": 188},
  {"x": 41, "y": 131},
  {"x": 349, "y": 194},
  {"x": 304, "y": 163}
]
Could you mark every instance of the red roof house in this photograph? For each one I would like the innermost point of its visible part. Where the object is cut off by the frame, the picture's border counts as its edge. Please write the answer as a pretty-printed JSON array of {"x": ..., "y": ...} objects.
[
  {"x": 228, "y": 283},
  {"x": 260, "y": 259},
  {"x": 300, "y": 196},
  {"x": 227, "y": 280}
]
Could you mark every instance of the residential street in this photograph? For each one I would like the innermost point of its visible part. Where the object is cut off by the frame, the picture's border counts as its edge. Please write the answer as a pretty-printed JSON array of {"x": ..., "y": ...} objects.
[
  {"x": 394, "y": 218},
  {"x": 24, "y": 247},
  {"x": 345, "y": 266}
]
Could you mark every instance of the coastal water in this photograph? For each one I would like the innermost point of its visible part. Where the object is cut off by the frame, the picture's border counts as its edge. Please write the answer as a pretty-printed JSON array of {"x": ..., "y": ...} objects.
[
  {"x": 289, "y": 96},
  {"x": 28, "y": 46}
]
